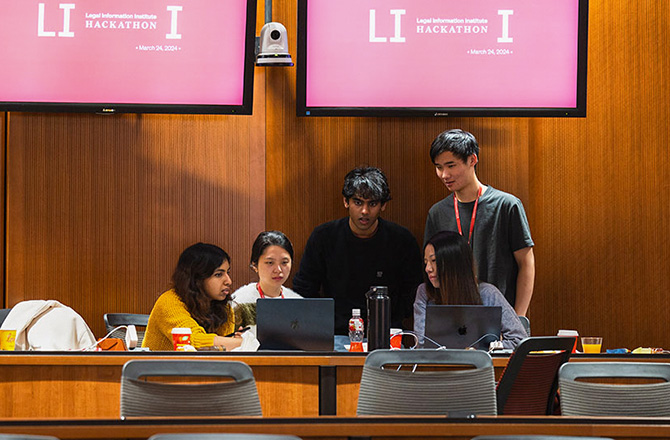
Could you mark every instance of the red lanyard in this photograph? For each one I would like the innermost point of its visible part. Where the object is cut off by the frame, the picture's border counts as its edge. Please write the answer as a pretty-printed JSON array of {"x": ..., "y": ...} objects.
[
  {"x": 474, "y": 214},
  {"x": 260, "y": 291}
]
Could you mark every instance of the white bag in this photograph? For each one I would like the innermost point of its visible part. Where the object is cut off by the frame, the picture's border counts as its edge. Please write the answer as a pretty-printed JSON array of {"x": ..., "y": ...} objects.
[{"x": 48, "y": 326}]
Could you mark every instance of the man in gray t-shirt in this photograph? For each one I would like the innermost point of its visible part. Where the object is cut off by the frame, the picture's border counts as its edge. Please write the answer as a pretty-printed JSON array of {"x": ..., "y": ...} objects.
[{"x": 494, "y": 222}]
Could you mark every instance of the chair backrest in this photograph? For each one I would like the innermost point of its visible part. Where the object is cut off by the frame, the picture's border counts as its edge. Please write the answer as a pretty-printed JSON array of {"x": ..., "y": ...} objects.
[
  {"x": 223, "y": 437},
  {"x": 139, "y": 398},
  {"x": 3, "y": 315},
  {"x": 536, "y": 437},
  {"x": 528, "y": 384},
  {"x": 581, "y": 398},
  {"x": 525, "y": 322},
  {"x": 26, "y": 437},
  {"x": 468, "y": 389},
  {"x": 113, "y": 320}
]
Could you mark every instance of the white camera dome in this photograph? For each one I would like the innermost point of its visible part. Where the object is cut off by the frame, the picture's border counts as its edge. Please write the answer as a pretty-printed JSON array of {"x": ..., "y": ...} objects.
[{"x": 273, "y": 49}]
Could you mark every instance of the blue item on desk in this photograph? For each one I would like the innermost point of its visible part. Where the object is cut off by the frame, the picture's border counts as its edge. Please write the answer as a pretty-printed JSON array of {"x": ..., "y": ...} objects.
[
  {"x": 340, "y": 342},
  {"x": 617, "y": 351}
]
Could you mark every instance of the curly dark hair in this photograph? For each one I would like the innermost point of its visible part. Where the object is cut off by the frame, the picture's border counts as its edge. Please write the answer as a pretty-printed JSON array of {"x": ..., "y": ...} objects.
[
  {"x": 197, "y": 263},
  {"x": 366, "y": 182}
]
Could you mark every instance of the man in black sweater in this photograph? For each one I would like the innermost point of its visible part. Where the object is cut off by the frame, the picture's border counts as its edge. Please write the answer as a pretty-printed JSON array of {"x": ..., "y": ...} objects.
[{"x": 344, "y": 257}]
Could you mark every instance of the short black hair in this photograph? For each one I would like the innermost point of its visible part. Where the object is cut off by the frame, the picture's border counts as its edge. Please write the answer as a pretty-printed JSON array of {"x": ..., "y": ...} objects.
[
  {"x": 367, "y": 182},
  {"x": 460, "y": 143},
  {"x": 267, "y": 239}
]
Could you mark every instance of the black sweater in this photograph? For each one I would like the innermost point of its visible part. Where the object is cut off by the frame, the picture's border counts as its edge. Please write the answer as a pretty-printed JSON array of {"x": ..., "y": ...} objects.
[{"x": 337, "y": 264}]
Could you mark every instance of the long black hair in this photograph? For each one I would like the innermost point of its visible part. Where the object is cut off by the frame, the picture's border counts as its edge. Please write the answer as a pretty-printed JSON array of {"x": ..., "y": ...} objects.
[
  {"x": 197, "y": 263},
  {"x": 455, "y": 271}
]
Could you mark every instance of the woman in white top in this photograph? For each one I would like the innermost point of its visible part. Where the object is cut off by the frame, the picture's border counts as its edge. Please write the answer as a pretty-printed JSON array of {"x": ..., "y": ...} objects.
[{"x": 271, "y": 259}]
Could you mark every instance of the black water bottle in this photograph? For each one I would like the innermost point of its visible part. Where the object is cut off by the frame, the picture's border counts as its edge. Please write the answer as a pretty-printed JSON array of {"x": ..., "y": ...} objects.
[{"x": 379, "y": 318}]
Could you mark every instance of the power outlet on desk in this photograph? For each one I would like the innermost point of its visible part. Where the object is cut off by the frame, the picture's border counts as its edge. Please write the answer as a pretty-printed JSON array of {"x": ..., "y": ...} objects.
[{"x": 131, "y": 337}]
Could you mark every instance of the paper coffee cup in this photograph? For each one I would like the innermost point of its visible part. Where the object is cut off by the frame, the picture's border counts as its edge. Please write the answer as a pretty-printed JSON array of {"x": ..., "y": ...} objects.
[
  {"x": 396, "y": 338},
  {"x": 181, "y": 337},
  {"x": 7, "y": 340},
  {"x": 569, "y": 334}
]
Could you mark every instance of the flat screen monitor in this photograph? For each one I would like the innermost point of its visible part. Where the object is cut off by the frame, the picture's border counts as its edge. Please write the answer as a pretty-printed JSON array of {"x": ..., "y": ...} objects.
[
  {"x": 442, "y": 58},
  {"x": 109, "y": 56}
]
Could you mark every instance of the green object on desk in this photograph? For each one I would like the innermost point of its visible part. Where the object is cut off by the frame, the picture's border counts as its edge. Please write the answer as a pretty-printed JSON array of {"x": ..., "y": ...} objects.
[{"x": 245, "y": 314}]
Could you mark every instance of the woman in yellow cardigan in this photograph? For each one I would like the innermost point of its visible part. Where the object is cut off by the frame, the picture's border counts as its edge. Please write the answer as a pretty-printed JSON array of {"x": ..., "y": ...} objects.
[{"x": 199, "y": 300}]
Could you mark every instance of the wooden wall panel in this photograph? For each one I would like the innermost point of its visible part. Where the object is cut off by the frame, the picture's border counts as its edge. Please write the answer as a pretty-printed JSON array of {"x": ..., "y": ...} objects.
[
  {"x": 100, "y": 207},
  {"x": 599, "y": 187},
  {"x": 307, "y": 158},
  {"x": 594, "y": 188}
]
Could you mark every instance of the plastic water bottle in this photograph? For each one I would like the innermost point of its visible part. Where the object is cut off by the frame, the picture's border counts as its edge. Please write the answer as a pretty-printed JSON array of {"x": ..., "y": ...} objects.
[{"x": 356, "y": 331}]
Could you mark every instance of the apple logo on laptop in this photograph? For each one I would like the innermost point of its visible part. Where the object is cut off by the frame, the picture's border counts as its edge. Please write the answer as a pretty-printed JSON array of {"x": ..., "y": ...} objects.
[{"x": 462, "y": 330}]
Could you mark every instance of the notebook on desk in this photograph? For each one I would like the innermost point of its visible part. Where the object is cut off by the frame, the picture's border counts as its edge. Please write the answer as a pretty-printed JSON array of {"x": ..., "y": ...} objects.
[
  {"x": 462, "y": 326},
  {"x": 295, "y": 324}
]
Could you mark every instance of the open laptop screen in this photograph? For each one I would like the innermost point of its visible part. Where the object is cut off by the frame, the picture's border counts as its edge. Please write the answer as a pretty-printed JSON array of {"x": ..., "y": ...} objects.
[
  {"x": 296, "y": 324},
  {"x": 462, "y": 326}
]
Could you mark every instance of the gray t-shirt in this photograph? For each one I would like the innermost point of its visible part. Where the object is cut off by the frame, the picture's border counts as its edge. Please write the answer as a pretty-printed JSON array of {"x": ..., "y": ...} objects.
[{"x": 501, "y": 228}]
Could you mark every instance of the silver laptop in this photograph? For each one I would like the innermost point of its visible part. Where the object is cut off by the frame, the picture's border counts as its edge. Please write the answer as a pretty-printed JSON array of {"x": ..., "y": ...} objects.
[
  {"x": 295, "y": 324},
  {"x": 462, "y": 326}
]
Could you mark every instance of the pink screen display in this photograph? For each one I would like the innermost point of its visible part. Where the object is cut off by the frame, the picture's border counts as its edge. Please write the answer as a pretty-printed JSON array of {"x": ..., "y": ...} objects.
[
  {"x": 123, "y": 51},
  {"x": 439, "y": 53}
]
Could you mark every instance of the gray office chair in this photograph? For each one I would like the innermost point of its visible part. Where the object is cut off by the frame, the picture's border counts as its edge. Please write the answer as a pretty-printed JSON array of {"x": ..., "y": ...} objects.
[
  {"x": 536, "y": 437},
  {"x": 113, "y": 320},
  {"x": 223, "y": 437},
  {"x": 468, "y": 389},
  {"x": 3, "y": 315},
  {"x": 26, "y": 437},
  {"x": 141, "y": 398},
  {"x": 581, "y": 398},
  {"x": 525, "y": 322}
]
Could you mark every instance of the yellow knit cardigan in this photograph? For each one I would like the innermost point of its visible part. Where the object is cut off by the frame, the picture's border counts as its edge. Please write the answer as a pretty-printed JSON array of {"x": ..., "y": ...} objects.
[{"x": 170, "y": 312}]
